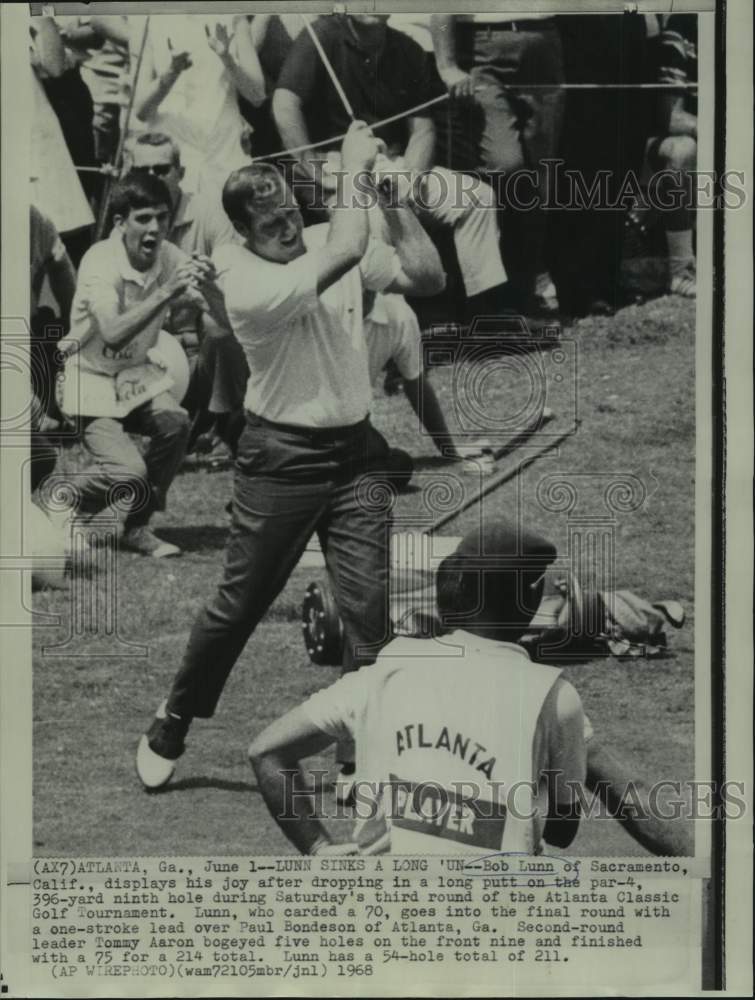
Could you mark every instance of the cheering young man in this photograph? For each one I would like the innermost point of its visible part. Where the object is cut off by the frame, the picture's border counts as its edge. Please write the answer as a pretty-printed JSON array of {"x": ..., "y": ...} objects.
[{"x": 294, "y": 301}]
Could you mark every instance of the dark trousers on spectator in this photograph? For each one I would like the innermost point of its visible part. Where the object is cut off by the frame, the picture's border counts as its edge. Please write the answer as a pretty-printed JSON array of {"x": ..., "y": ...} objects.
[
  {"x": 289, "y": 483},
  {"x": 505, "y": 130},
  {"x": 606, "y": 134},
  {"x": 118, "y": 463}
]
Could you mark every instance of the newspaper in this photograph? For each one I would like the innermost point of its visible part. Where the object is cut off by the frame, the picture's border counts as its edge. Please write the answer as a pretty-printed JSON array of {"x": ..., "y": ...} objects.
[{"x": 537, "y": 790}]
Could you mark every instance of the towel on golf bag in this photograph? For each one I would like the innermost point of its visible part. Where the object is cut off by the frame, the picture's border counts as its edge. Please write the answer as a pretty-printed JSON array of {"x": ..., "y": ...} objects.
[
  {"x": 617, "y": 621},
  {"x": 569, "y": 621}
]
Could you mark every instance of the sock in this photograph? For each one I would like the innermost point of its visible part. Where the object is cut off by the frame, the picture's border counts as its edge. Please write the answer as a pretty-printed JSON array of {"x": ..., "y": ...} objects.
[{"x": 680, "y": 252}]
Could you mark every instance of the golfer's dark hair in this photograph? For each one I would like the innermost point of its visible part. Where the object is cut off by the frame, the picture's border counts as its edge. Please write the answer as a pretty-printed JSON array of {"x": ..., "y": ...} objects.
[
  {"x": 138, "y": 190},
  {"x": 253, "y": 190}
]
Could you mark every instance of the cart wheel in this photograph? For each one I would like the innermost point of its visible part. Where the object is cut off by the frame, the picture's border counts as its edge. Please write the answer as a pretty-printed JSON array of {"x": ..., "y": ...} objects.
[{"x": 321, "y": 626}]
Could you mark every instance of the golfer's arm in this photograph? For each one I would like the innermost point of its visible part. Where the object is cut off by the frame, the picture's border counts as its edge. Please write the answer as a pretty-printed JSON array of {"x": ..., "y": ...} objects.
[
  {"x": 421, "y": 268},
  {"x": 424, "y": 402},
  {"x": 442, "y": 29},
  {"x": 275, "y": 756},
  {"x": 610, "y": 780},
  {"x": 348, "y": 233}
]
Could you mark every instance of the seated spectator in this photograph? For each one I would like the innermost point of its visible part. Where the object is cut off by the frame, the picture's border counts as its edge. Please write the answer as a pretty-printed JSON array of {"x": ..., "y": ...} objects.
[
  {"x": 675, "y": 149},
  {"x": 198, "y": 225},
  {"x": 129, "y": 287},
  {"x": 384, "y": 72},
  {"x": 193, "y": 70}
]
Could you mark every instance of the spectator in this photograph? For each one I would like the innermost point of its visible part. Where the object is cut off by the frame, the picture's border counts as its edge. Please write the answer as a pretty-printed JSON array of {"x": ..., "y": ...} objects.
[
  {"x": 198, "y": 225},
  {"x": 129, "y": 286},
  {"x": 675, "y": 150},
  {"x": 273, "y": 36},
  {"x": 486, "y": 62},
  {"x": 384, "y": 72},
  {"x": 393, "y": 337},
  {"x": 55, "y": 185},
  {"x": 193, "y": 71},
  {"x": 605, "y": 136},
  {"x": 441, "y": 740}
]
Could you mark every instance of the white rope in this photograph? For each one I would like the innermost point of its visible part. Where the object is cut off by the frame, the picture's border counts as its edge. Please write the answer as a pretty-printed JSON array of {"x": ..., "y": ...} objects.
[
  {"x": 444, "y": 97},
  {"x": 336, "y": 138}
]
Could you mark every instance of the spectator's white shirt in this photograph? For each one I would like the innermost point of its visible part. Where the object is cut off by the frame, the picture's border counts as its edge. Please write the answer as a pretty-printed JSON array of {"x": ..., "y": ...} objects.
[
  {"x": 306, "y": 352},
  {"x": 392, "y": 333},
  {"x": 201, "y": 110},
  {"x": 100, "y": 380},
  {"x": 441, "y": 721}
]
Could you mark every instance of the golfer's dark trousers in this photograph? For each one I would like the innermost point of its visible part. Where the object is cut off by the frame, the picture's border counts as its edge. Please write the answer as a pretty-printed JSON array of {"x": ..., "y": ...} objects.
[{"x": 289, "y": 483}]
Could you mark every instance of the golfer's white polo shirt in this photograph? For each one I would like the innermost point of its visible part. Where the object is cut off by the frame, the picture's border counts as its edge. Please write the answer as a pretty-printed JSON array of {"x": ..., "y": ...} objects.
[
  {"x": 307, "y": 353},
  {"x": 459, "y": 732}
]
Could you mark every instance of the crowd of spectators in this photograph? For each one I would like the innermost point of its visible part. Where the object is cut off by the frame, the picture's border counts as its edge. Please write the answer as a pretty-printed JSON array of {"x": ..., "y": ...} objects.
[{"x": 183, "y": 101}]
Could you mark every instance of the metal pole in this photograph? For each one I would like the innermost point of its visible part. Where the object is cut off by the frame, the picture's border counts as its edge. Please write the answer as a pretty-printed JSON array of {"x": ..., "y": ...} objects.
[{"x": 116, "y": 165}]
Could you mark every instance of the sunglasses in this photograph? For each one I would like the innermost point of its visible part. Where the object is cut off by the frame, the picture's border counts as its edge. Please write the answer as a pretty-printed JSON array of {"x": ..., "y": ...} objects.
[{"x": 158, "y": 169}]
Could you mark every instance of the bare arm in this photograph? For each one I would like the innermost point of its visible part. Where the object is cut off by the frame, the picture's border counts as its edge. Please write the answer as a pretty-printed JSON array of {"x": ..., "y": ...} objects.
[
  {"x": 349, "y": 223},
  {"x": 275, "y": 756},
  {"x": 443, "y": 28},
  {"x": 674, "y": 119},
  {"x": 48, "y": 47},
  {"x": 83, "y": 36},
  {"x": 161, "y": 85},
  {"x": 420, "y": 150},
  {"x": 292, "y": 127},
  {"x": 117, "y": 330},
  {"x": 610, "y": 780},
  {"x": 424, "y": 402},
  {"x": 421, "y": 268},
  {"x": 114, "y": 27},
  {"x": 243, "y": 64}
]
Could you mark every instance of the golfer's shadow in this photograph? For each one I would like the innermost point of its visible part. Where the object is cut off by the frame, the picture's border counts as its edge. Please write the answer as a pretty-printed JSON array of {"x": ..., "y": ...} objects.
[{"x": 222, "y": 784}]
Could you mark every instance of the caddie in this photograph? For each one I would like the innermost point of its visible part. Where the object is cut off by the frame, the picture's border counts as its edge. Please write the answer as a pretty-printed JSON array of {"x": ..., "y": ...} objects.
[
  {"x": 122, "y": 367},
  {"x": 462, "y": 743}
]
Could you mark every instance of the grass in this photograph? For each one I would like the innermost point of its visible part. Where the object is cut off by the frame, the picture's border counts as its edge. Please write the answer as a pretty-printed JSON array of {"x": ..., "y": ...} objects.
[{"x": 635, "y": 391}]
